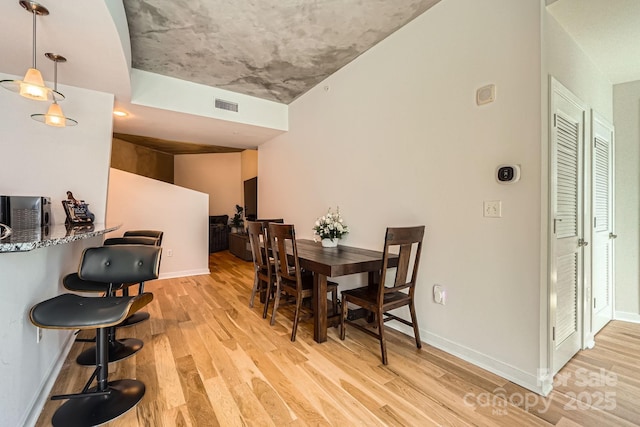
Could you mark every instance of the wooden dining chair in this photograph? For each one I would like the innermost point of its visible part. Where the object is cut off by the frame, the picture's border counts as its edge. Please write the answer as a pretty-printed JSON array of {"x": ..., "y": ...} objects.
[
  {"x": 264, "y": 276},
  {"x": 382, "y": 297},
  {"x": 290, "y": 279}
]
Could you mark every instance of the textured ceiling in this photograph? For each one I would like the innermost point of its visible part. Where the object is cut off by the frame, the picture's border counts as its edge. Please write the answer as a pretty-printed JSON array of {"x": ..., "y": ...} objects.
[{"x": 271, "y": 49}]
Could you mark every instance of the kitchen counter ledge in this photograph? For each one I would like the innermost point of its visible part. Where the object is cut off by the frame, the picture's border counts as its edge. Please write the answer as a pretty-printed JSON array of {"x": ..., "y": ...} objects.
[{"x": 56, "y": 234}]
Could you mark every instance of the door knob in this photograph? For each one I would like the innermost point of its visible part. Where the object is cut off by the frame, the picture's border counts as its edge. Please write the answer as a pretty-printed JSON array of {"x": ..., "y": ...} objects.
[
  {"x": 582, "y": 243},
  {"x": 613, "y": 236}
]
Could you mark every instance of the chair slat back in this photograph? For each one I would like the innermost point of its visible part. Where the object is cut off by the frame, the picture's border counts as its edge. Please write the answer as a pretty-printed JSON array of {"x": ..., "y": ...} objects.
[
  {"x": 259, "y": 245},
  {"x": 287, "y": 266},
  {"x": 404, "y": 238}
]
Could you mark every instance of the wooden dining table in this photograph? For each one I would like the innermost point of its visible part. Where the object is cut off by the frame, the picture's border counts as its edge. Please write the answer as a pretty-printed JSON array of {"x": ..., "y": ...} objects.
[{"x": 335, "y": 262}]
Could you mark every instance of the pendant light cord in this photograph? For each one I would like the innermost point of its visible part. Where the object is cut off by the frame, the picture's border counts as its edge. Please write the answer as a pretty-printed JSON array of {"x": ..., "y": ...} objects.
[
  {"x": 33, "y": 12},
  {"x": 55, "y": 77}
]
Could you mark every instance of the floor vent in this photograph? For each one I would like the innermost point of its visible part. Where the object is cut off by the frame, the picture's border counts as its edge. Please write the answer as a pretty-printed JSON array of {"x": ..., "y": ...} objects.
[{"x": 226, "y": 105}]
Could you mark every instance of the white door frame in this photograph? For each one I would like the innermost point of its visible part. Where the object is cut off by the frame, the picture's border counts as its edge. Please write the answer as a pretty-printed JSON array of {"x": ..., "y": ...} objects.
[
  {"x": 595, "y": 323},
  {"x": 557, "y": 89}
]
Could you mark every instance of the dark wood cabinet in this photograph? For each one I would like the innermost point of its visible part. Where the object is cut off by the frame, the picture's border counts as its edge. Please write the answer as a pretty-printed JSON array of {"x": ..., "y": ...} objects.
[{"x": 239, "y": 246}]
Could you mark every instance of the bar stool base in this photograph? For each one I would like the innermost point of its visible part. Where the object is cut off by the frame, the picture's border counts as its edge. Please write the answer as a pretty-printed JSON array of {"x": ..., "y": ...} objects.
[
  {"x": 96, "y": 410},
  {"x": 137, "y": 317},
  {"x": 118, "y": 350}
]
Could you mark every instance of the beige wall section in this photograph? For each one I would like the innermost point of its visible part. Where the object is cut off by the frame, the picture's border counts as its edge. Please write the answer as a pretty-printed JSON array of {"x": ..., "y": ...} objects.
[
  {"x": 218, "y": 175},
  {"x": 249, "y": 164},
  {"x": 626, "y": 118},
  {"x": 249, "y": 169},
  {"x": 142, "y": 161}
]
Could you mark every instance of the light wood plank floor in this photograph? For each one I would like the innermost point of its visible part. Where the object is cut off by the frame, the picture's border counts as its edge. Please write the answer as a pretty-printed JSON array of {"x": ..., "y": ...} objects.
[{"x": 210, "y": 360}]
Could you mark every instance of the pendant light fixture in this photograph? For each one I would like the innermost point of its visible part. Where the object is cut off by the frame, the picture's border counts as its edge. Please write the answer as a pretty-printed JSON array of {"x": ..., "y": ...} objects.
[
  {"x": 32, "y": 85},
  {"x": 55, "y": 116}
]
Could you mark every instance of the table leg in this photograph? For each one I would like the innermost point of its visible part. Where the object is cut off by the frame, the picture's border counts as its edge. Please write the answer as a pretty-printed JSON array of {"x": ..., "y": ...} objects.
[
  {"x": 374, "y": 279},
  {"x": 319, "y": 307}
]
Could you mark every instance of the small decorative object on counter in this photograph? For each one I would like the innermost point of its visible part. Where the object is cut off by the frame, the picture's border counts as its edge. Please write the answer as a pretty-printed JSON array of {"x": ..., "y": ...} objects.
[
  {"x": 330, "y": 228},
  {"x": 77, "y": 211},
  {"x": 5, "y": 231}
]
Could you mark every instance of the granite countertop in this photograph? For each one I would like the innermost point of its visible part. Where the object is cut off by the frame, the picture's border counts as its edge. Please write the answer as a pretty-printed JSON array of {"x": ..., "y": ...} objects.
[{"x": 56, "y": 234}]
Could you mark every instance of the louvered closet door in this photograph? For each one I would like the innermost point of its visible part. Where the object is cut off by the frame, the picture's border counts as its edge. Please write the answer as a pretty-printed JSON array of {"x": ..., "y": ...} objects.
[
  {"x": 602, "y": 252},
  {"x": 567, "y": 122}
]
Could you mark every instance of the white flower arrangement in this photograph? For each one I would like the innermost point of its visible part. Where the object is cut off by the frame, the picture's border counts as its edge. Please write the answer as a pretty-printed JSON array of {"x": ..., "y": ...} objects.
[{"x": 330, "y": 226}]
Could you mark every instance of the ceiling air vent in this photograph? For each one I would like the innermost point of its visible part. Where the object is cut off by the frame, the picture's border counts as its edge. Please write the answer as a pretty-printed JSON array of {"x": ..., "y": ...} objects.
[{"x": 226, "y": 105}]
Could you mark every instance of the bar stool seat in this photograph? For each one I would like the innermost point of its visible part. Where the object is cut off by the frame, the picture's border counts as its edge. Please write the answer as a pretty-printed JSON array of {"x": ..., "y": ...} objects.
[
  {"x": 108, "y": 399},
  {"x": 71, "y": 311},
  {"x": 118, "y": 348}
]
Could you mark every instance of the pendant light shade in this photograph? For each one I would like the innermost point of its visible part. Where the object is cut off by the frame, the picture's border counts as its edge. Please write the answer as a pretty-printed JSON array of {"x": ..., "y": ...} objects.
[
  {"x": 55, "y": 117},
  {"x": 32, "y": 86}
]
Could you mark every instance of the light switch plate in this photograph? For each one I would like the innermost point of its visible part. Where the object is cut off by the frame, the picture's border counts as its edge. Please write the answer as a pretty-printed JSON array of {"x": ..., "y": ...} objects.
[
  {"x": 439, "y": 295},
  {"x": 493, "y": 208}
]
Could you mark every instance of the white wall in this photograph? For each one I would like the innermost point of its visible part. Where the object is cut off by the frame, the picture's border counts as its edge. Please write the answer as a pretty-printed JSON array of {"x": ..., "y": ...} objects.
[
  {"x": 138, "y": 202},
  {"x": 568, "y": 63},
  {"x": 218, "y": 175},
  {"x": 395, "y": 138},
  {"x": 40, "y": 160},
  {"x": 626, "y": 115}
]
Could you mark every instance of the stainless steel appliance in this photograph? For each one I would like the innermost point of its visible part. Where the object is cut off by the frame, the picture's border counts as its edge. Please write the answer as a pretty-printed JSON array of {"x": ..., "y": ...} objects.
[{"x": 25, "y": 212}]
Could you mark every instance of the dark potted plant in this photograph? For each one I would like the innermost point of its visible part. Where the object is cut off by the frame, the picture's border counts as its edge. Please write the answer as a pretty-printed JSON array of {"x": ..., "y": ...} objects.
[{"x": 237, "y": 221}]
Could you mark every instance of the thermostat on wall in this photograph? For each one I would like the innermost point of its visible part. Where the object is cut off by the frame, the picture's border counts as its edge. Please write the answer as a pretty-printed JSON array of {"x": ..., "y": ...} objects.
[{"x": 508, "y": 174}]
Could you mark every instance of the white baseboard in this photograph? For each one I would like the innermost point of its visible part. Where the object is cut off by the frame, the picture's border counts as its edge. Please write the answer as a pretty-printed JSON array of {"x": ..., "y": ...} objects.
[
  {"x": 38, "y": 403},
  {"x": 529, "y": 381},
  {"x": 627, "y": 317},
  {"x": 184, "y": 273}
]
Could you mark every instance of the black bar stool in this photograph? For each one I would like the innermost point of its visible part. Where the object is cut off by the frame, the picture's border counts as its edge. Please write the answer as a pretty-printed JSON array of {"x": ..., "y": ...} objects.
[
  {"x": 114, "y": 264},
  {"x": 86, "y": 282},
  {"x": 145, "y": 237}
]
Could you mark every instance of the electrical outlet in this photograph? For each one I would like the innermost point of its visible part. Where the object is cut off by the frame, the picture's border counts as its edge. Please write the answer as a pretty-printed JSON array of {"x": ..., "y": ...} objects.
[
  {"x": 493, "y": 208},
  {"x": 439, "y": 294},
  {"x": 169, "y": 252},
  {"x": 38, "y": 334}
]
